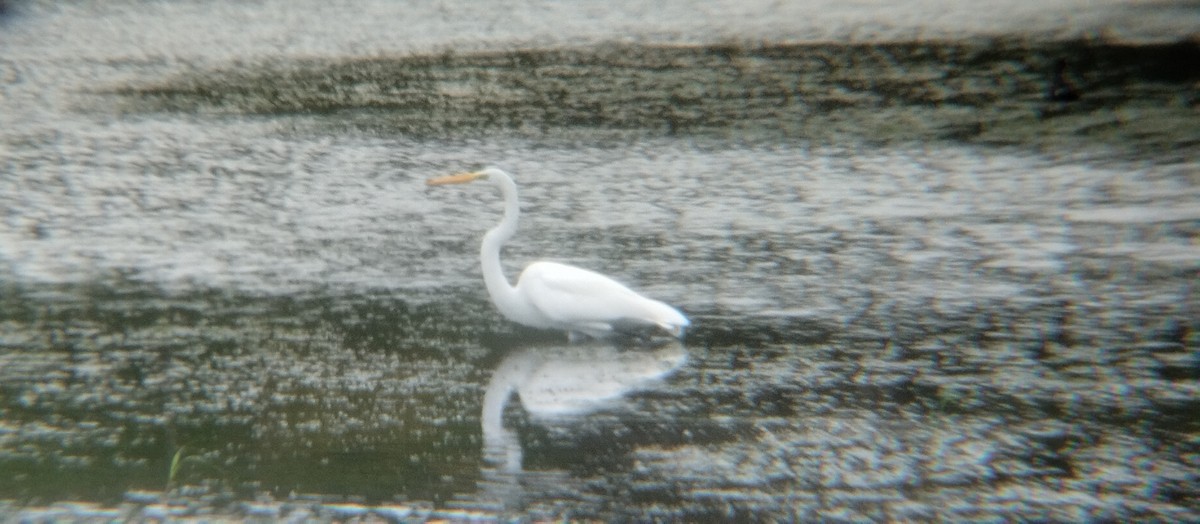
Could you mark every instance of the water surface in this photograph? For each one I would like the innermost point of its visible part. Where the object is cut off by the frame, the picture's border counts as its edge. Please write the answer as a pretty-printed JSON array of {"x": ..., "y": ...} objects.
[{"x": 214, "y": 303}]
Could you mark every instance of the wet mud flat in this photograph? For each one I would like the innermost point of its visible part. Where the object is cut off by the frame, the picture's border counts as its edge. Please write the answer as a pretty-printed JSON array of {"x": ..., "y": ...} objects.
[
  {"x": 1138, "y": 98},
  {"x": 877, "y": 359}
]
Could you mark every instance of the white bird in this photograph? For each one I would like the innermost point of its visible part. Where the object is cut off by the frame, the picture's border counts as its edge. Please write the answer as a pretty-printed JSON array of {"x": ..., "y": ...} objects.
[{"x": 549, "y": 295}]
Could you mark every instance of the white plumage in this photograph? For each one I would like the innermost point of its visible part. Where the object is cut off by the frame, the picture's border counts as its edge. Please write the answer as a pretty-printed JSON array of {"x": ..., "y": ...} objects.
[{"x": 550, "y": 295}]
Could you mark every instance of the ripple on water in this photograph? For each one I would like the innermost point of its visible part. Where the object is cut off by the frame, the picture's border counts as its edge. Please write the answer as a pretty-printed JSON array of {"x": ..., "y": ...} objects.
[{"x": 881, "y": 333}]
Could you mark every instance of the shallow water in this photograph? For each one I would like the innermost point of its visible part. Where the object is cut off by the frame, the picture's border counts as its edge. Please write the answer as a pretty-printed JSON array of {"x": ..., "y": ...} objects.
[{"x": 215, "y": 312}]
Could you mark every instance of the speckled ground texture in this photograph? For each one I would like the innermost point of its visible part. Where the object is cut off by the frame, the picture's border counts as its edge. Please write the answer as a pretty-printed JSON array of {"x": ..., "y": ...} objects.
[{"x": 920, "y": 290}]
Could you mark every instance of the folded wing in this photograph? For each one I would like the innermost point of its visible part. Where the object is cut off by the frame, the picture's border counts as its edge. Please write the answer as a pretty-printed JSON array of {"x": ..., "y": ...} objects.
[{"x": 585, "y": 301}]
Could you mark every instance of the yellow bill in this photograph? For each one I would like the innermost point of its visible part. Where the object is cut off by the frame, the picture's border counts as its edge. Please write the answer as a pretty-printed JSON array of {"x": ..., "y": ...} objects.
[{"x": 460, "y": 178}]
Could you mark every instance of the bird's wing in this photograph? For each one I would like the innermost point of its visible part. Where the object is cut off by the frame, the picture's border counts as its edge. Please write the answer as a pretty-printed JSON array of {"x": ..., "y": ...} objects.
[{"x": 574, "y": 296}]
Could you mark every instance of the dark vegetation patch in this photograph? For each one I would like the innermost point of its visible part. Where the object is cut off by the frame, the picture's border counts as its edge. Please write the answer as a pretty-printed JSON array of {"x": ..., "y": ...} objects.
[{"x": 993, "y": 91}]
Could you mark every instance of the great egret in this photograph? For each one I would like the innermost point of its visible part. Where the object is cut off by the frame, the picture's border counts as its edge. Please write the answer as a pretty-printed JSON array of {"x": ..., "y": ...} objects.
[{"x": 549, "y": 295}]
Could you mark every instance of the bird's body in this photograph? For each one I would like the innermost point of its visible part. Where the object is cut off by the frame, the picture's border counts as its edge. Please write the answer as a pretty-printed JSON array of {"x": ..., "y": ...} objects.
[
  {"x": 550, "y": 295},
  {"x": 582, "y": 301}
]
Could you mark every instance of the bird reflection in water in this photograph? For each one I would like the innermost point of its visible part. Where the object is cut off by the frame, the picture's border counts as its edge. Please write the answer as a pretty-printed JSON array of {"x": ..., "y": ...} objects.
[{"x": 557, "y": 383}]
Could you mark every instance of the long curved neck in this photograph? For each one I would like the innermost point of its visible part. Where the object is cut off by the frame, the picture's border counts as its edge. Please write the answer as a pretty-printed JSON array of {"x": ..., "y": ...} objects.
[{"x": 489, "y": 252}]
